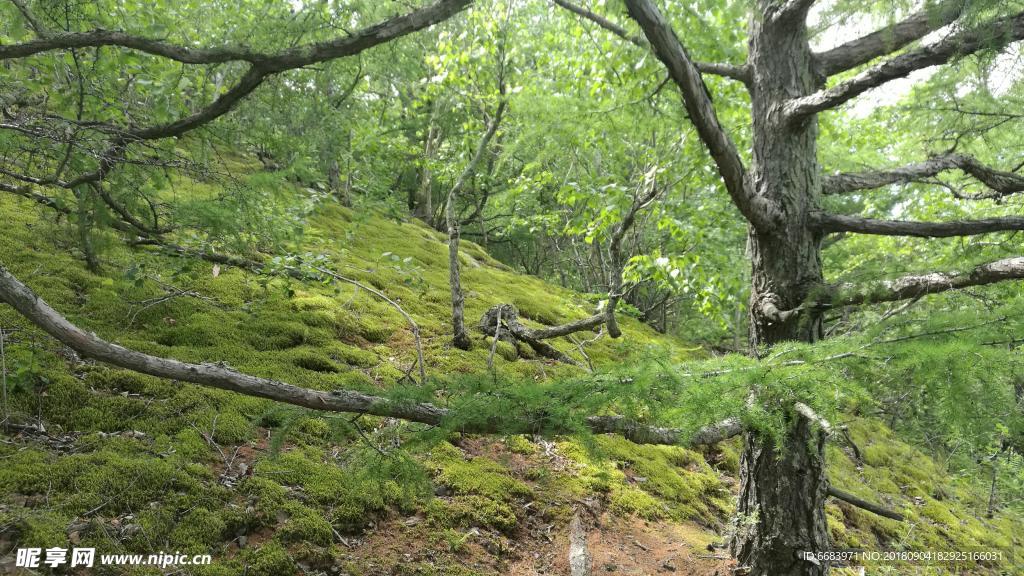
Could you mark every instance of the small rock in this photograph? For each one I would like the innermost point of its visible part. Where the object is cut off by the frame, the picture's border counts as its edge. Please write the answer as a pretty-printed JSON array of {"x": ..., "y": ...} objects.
[{"x": 242, "y": 541}]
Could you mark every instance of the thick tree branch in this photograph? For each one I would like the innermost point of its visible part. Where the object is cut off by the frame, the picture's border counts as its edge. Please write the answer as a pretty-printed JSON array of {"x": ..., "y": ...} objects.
[
  {"x": 701, "y": 111},
  {"x": 996, "y": 34},
  {"x": 262, "y": 66},
  {"x": 889, "y": 39},
  {"x": 999, "y": 183},
  {"x": 127, "y": 216},
  {"x": 713, "y": 434},
  {"x": 502, "y": 322},
  {"x": 220, "y": 376},
  {"x": 919, "y": 285},
  {"x": 740, "y": 73},
  {"x": 791, "y": 10},
  {"x": 26, "y": 192},
  {"x": 827, "y": 223},
  {"x": 278, "y": 62},
  {"x": 859, "y": 503}
]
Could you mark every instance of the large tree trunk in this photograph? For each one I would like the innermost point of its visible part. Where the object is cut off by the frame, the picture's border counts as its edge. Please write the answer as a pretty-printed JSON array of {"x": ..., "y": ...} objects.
[
  {"x": 783, "y": 486},
  {"x": 781, "y": 511}
]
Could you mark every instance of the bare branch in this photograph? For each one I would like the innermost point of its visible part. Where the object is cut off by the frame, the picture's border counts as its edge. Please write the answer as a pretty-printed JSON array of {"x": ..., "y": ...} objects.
[
  {"x": 859, "y": 503},
  {"x": 826, "y": 223},
  {"x": 889, "y": 39},
  {"x": 701, "y": 111},
  {"x": 127, "y": 216},
  {"x": 995, "y": 34},
  {"x": 262, "y": 66},
  {"x": 809, "y": 413},
  {"x": 916, "y": 286},
  {"x": 26, "y": 192},
  {"x": 223, "y": 377},
  {"x": 1000, "y": 183},
  {"x": 740, "y": 73},
  {"x": 291, "y": 58},
  {"x": 709, "y": 435}
]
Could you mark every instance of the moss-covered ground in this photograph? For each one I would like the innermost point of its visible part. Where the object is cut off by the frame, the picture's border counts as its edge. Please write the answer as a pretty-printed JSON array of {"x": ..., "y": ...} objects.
[{"x": 130, "y": 463}]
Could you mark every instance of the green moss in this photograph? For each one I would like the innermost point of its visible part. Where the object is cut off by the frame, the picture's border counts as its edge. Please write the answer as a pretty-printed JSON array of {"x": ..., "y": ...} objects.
[
  {"x": 41, "y": 529},
  {"x": 315, "y": 362},
  {"x": 305, "y": 525},
  {"x": 168, "y": 476},
  {"x": 628, "y": 500},
  {"x": 351, "y": 355},
  {"x": 469, "y": 511},
  {"x": 199, "y": 529},
  {"x": 651, "y": 481},
  {"x": 271, "y": 559},
  {"x": 520, "y": 444},
  {"x": 478, "y": 476},
  {"x": 267, "y": 334},
  {"x": 349, "y": 326}
]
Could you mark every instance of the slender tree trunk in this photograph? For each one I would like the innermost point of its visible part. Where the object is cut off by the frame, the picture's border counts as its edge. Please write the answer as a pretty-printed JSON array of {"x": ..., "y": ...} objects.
[
  {"x": 84, "y": 225},
  {"x": 460, "y": 338},
  {"x": 780, "y": 511},
  {"x": 334, "y": 182},
  {"x": 424, "y": 203}
]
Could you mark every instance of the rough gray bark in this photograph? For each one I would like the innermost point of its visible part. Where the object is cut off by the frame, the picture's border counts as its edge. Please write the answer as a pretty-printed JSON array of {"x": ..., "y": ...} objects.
[
  {"x": 889, "y": 39},
  {"x": 915, "y": 286},
  {"x": 502, "y": 322},
  {"x": 579, "y": 554},
  {"x": 824, "y": 223},
  {"x": 996, "y": 33},
  {"x": 783, "y": 485},
  {"x": 780, "y": 511},
  {"x": 781, "y": 506},
  {"x": 1000, "y": 183}
]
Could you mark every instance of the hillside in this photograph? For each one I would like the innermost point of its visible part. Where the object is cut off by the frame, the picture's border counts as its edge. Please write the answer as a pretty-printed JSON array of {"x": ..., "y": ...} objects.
[{"x": 102, "y": 457}]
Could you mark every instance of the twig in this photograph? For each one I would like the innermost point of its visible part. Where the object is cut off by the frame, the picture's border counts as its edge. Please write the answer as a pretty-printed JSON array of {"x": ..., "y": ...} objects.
[
  {"x": 898, "y": 310},
  {"x": 412, "y": 323},
  {"x": 355, "y": 424},
  {"x": 172, "y": 293}
]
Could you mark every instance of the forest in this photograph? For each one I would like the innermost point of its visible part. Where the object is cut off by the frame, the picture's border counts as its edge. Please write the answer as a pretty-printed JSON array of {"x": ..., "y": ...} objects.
[{"x": 512, "y": 287}]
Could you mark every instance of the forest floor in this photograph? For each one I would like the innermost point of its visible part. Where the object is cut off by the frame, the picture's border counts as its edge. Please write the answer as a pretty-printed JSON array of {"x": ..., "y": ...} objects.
[{"x": 105, "y": 458}]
